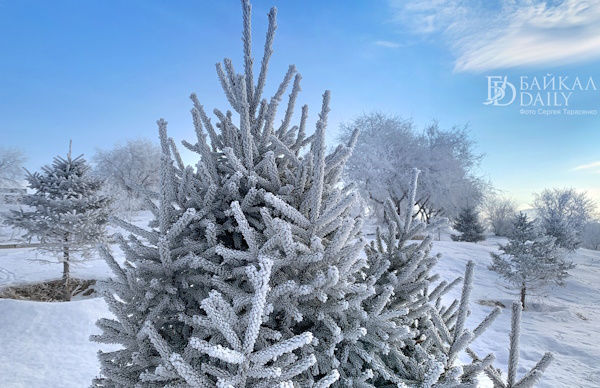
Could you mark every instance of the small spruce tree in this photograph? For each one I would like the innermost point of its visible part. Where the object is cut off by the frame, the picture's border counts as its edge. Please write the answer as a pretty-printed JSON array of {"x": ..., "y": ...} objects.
[
  {"x": 65, "y": 213},
  {"x": 413, "y": 339},
  {"x": 469, "y": 226},
  {"x": 522, "y": 229},
  {"x": 529, "y": 260}
]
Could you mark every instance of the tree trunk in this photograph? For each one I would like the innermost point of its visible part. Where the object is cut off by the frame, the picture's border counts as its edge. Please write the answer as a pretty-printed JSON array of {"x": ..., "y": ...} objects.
[
  {"x": 523, "y": 289},
  {"x": 66, "y": 277}
]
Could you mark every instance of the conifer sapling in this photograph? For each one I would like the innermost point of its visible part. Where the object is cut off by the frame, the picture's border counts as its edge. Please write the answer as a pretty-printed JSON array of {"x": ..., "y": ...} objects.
[
  {"x": 530, "y": 260},
  {"x": 469, "y": 226}
]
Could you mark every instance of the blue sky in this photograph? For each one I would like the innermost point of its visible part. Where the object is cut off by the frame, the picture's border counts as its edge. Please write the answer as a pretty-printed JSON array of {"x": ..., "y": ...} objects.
[{"x": 103, "y": 71}]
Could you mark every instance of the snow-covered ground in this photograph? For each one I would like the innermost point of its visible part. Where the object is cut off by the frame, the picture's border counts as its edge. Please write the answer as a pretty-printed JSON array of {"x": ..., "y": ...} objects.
[{"x": 46, "y": 344}]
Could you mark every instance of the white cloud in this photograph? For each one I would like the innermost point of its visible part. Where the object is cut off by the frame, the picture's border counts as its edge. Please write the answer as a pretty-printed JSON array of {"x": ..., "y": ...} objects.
[
  {"x": 388, "y": 44},
  {"x": 588, "y": 166},
  {"x": 488, "y": 35}
]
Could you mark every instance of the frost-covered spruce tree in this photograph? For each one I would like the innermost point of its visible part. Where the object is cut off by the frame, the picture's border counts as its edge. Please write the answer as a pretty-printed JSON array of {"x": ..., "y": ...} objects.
[
  {"x": 250, "y": 275},
  {"x": 412, "y": 339},
  {"x": 65, "y": 213},
  {"x": 529, "y": 260},
  {"x": 522, "y": 229},
  {"x": 469, "y": 226}
]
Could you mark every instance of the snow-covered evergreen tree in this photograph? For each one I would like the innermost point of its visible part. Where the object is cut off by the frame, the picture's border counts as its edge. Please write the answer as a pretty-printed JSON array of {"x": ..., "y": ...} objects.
[
  {"x": 412, "y": 339},
  {"x": 468, "y": 224},
  {"x": 253, "y": 258},
  {"x": 529, "y": 260},
  {"x": 65, "y": 213},
  {"x": 251, "y": 273},
  {"x": 522, "y": 230}
]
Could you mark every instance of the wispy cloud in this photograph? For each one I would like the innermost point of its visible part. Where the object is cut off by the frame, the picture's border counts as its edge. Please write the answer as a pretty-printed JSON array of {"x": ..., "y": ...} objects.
[
  {"x": 488, "y": 35},
  {"x": 595, "y": 165},
  {"x": 388, "y": 44}
]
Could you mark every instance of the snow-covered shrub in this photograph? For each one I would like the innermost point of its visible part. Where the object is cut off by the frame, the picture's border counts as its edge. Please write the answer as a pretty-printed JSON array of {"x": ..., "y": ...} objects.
[
  {"x": 65, "y": 213},
  {"x": 11, "y": 187}
]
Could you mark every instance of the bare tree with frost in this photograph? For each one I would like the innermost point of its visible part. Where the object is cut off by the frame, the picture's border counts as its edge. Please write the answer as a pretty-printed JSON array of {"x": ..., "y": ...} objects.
[
  {"x": 563, "y": 214},
  {"x": 11, "y": 166},
  {"x": 251, "y": 273},
  {"x": 500, "y": 212},
  {"x": 128, "y": 170},
  {"x": 389, "y": 147},
  {"x": 591, "y": 235}
]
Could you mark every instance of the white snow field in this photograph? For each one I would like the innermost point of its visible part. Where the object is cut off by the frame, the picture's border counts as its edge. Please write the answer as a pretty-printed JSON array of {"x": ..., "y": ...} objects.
[{"x": 46, "y": 344}]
